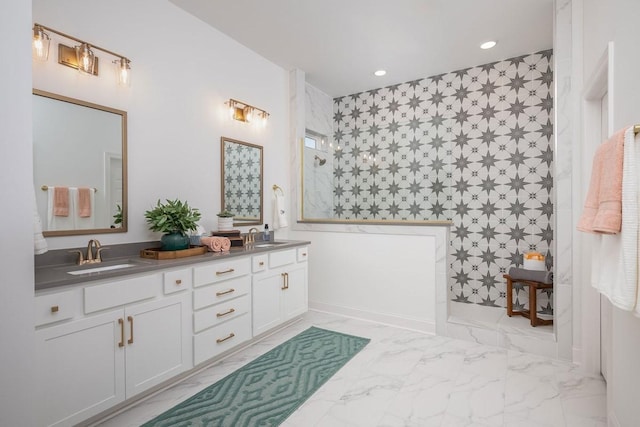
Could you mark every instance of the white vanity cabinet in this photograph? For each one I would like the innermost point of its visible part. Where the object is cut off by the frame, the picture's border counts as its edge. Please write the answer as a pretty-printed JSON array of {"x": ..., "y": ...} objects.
[
  {"x": 103, "y": 342},
  {"x": 279, "y": 288},
  {"x": 122, "y": 337}
]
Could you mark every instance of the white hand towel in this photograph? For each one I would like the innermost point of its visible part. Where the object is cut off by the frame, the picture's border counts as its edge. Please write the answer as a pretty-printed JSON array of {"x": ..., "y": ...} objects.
[
  {"x": 615, "y": 257},
  {"x": 39, "y": 243},
  {"x": 624, "y": 296},
  {"x": 279, "y": 212}
]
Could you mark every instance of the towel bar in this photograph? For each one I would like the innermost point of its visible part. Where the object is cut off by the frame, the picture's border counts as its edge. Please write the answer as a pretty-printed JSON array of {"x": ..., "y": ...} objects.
[{"x": 46, "y": 187}]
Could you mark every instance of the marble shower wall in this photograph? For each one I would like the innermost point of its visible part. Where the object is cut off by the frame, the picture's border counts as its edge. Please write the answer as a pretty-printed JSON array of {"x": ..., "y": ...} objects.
[
  {"x": 473, "y": 146},
  {"x": 318, "y": 179}
]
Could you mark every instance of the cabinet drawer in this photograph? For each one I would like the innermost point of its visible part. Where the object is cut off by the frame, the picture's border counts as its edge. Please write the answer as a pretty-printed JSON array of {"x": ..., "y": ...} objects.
[
  {"x": 259, "y": 263},
  {"x": 177, "y": 280},
  {"x": 221, "y": 338},
  {"x": 303, "y": 254},
  {"x": 219, "y": 292},
  {"x": 119, "y": 293},
  {"x": 55, "y": 307},
  {"x": 277, "y": 259},
  {"x": 212, "y": 273},
  {"x": 219, "y": 313}
]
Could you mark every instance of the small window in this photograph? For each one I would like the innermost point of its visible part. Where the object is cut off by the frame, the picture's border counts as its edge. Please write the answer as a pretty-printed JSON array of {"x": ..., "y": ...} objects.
[{"x": 310, "y": 142}]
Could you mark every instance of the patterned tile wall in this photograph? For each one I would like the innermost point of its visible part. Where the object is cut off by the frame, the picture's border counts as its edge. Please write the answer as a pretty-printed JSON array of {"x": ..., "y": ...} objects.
[{"x": 473, "y": 146}]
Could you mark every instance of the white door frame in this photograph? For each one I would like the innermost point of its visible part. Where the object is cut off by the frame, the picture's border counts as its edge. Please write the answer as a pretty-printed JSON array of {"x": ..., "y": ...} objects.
[{"x": 599, "y": 84}]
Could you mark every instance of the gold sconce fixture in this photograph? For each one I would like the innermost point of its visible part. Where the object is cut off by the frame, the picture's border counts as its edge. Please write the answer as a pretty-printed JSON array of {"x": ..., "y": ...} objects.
[
  {"x": 80, "y": 57},
  {"x": 247, "y": 113}
]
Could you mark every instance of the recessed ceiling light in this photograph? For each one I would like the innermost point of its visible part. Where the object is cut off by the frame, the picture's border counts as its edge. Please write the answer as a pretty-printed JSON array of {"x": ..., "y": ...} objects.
[
  {"x": 488, "y": 45},
  {"x": 380, "y": 73}
]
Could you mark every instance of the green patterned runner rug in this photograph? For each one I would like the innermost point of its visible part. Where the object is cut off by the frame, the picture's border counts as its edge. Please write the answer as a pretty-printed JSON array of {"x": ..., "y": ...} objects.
[{"x": 267, "y": 390}]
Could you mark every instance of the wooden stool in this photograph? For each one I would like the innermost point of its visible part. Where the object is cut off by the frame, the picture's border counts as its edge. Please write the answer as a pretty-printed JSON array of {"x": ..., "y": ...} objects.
[{"x": 533, "y": 288}]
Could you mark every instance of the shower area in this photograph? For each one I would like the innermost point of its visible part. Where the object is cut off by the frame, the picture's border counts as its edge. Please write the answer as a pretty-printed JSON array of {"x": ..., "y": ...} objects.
[{"x": 472, "y": 148}]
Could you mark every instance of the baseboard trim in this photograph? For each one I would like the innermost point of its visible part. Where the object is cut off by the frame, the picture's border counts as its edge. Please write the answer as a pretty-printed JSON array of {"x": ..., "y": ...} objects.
[{"x": 383, "y": 318}]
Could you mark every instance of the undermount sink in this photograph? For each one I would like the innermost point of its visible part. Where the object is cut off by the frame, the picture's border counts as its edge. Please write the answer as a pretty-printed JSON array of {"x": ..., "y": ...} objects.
[
  {"x": 100, "y": 269},
  {"x": 267, "y": 244}
]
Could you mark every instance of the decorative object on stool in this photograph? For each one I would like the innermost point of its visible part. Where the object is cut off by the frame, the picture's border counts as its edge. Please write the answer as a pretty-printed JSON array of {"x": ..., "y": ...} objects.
[
  {"x": 269, "y": 389},
  {"x": 225, "y": 220},
  {"x": 174, "y": 218},
  {"x": 535, "y": 280}
]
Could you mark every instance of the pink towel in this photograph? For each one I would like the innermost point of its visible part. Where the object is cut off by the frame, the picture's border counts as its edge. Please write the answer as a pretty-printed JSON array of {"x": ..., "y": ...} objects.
[
  {"x": 216, "y": 244},
  {"x": 603, "y": 206},
  {"x": 61, "y": 201},
  {"x": 84, "y": 202}
]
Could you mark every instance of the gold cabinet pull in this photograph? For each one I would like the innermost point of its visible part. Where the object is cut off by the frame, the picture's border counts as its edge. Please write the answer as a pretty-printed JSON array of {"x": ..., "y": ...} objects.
[
  {"x": 284, "y": 281},
  {"x": 178, "y": 282},
  {"x": 221, "y": 340},
  {"x": 261, "y": 263},
  {"x": 121, "y": 343},
  {"x": 219, "y": 273},
  {"x": 55, "y": 309},
  {"x": 304, "y": 254},
  {"x": 286, "y": 276},
  {"x": 231, "y": 310},
  {"x": 130, "y": 319},
  {"x": 228, "y": 291}
]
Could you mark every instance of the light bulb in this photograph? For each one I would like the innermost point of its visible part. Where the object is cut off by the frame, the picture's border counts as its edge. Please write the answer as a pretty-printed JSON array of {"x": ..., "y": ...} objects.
[
  {"x": 123, "y": 66},
  {"x": 85, "y": 58},
  {"x": 41, "y": 42}
]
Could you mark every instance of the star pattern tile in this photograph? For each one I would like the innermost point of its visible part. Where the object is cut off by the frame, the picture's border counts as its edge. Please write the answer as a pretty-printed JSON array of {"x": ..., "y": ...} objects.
[{"x": 473, "y": 146}]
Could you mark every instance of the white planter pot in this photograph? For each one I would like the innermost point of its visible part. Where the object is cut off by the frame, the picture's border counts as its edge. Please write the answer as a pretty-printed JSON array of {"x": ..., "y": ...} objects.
[{"x": 225, "y": 224}]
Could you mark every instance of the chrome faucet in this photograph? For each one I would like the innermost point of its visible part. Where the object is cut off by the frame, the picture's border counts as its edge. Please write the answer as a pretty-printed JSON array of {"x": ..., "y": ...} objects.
[
  {"x": 90, "y": 258},
  {"x": 251, "y": 237}
]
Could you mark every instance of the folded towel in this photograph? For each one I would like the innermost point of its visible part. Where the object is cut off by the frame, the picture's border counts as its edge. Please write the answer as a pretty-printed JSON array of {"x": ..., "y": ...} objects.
[
  {"x": 624, "y": 292},
  {"x": 39, "y": 243},
  {"x": 279, "y": 212},
  {"x": 216, "y": 244},
  {"x": 545, "y": 277},
  {"x": 84, "y": 202},
  {"x": 55, "y": 223},
  {"x": 603, "y": 205},
  {"x": 61, "y": 201}
]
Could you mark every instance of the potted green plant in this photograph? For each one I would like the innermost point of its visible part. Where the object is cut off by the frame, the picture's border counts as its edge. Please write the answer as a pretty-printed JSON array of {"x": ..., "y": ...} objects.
[
  {"x": 117, "y": 218},
  {"x": 174, "y": 218},
  {"x": 225, "y": 220}
]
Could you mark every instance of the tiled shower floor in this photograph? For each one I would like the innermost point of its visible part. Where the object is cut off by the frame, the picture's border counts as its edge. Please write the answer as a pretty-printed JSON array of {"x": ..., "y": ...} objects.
[{"x": 406, "y": 378}]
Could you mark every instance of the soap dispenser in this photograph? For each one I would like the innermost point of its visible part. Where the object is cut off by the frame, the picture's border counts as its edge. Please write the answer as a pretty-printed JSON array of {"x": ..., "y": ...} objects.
[{"x": 266, "y": 236}]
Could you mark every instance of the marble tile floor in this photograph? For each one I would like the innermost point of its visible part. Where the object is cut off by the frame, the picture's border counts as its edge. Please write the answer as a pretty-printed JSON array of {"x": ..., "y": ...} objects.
[
  {"x": 407, "y": 378},
  {"x": 492, "y": 326}
]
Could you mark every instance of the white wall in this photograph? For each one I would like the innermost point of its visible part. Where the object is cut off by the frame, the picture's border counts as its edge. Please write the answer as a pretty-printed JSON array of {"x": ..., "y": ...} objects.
[
  {"x": 617, "y": 22},
  {"x": 16, "y": 247},
  {"x": 182, "y": 73}
]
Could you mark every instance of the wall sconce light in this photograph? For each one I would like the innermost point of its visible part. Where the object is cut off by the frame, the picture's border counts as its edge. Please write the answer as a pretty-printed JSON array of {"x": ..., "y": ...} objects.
[
  {"x": 80, "y": 57},
  {"x": 40, "y": 44},
  {"x": 247, "y": 113}
]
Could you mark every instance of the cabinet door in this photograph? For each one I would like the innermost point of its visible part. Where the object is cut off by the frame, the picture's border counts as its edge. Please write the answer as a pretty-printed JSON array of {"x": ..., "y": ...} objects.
[
  {"x": 294, "y": 297},
  {"x": 157, "y": 342},
  {"x": 79, "y": 369},
  {"x": 266, "y": 301}
]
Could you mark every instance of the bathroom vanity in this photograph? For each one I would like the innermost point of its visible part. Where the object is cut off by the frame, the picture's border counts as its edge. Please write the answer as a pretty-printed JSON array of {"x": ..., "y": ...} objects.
[{"x": 106, "y": 338}]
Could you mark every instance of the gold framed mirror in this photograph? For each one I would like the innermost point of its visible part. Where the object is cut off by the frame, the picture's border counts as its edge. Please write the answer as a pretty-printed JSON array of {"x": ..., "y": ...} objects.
[
  {"x": 242, "y": 181},
  {"x": 79, "y": 161}
]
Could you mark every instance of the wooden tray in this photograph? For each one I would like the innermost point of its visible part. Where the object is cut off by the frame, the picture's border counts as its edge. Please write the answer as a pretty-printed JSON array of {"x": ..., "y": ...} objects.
[{"x": 156, "y": 253}]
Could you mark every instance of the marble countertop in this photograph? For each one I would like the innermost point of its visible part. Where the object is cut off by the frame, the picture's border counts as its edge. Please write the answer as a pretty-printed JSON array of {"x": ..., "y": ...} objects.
[{"x": 57, "y": 275}]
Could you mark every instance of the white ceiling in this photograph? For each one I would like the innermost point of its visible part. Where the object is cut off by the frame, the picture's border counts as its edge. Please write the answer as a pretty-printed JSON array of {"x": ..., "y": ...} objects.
[{"x": 340, "y": 43}]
